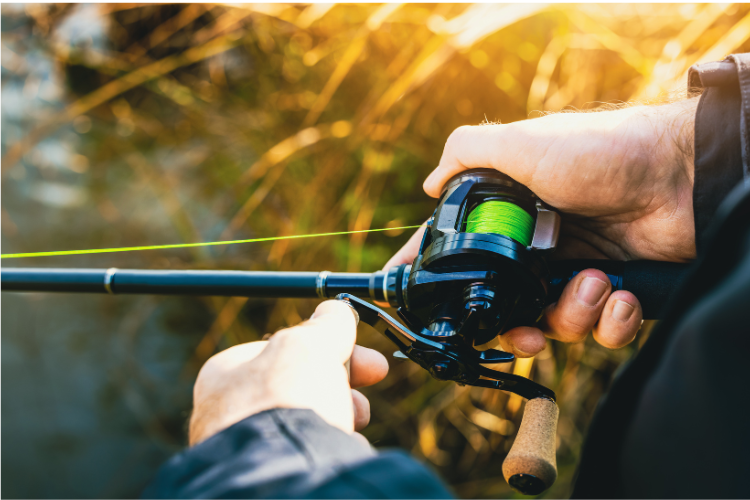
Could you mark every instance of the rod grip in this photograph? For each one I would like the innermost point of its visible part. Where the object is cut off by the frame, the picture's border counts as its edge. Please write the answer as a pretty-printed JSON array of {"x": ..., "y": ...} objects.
[
  {"x": 652, "y": 282},
  {"x": 531, "y": 466}
]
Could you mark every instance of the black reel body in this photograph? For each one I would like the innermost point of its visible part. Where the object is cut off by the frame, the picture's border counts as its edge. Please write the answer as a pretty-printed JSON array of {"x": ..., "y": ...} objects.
[
  {"x": 466, "y": 288},
  {"x": 479, "y": 285}
]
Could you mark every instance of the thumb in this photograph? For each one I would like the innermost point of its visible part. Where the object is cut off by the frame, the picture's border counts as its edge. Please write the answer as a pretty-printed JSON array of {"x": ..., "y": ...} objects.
[{"x": 333, "y": 329}]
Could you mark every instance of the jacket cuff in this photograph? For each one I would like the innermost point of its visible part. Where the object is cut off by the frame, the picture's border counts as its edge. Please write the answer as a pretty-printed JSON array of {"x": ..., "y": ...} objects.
[
  {"x": 276, "y": 450},
  {"x": 719, "y": 128}
]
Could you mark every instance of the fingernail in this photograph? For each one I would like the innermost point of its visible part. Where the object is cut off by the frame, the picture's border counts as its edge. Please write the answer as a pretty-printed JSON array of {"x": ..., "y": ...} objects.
[
  {"x": 328, "y": 307},
  {"x": 622, "y": 311},
  {"x": 521, "y": 353},
  {"x": 591, "y": 291},
  {"x": 354, "y": 312}
]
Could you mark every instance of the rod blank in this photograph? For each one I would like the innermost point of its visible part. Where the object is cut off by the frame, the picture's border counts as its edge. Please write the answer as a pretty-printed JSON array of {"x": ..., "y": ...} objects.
[
  {"x": 53, "y": 280},
  {"x": 223, "y": 283}
]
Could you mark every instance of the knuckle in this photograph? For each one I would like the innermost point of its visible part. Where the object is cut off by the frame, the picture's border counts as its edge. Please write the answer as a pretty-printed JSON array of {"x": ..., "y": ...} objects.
[
  {"x": 572, "y": 326},
  {"x": 458, "y": 137},
  {"x": 297, "y": 337},
  {"x": 204, "y": 380},
  {"x": 613, "y": 337},
  {"x": 210, "y": 367},
  {"x": 283, "y": 339}
]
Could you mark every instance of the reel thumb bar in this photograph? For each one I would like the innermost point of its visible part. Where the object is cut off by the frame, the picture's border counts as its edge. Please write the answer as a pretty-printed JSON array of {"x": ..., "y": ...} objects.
[{"x": 651, "y": 281}]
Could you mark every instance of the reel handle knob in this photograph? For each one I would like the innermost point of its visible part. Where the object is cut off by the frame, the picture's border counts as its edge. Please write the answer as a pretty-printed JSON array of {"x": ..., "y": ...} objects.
[{"x": 531, "y": 466}]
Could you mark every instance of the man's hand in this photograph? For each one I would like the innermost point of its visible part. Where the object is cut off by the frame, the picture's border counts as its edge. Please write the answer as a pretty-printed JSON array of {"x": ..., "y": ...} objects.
[
  {"x": 623, "y": 182},
  {"x": 300, "y": 367}
]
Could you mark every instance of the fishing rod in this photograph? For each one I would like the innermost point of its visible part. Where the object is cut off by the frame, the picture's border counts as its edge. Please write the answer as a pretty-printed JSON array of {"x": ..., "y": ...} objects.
[
  {"x": 650, "y": 281},
  {"x": 482, "y": 269}
]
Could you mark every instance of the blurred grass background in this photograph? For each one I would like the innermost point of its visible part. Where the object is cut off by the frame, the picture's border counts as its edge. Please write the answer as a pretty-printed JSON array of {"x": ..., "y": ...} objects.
[{"x": 130, "y": 124}]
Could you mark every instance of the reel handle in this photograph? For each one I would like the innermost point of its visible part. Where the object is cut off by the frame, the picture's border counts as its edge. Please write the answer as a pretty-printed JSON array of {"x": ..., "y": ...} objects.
[{"x": 531, "y": 464}]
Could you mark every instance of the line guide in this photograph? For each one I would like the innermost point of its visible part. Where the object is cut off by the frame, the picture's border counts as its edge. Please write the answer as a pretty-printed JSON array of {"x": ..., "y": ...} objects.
[{"x": 191, "y": 245}]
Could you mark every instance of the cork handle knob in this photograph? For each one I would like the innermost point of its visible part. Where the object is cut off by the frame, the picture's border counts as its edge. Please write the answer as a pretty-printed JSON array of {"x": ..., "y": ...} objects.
[{"x": 531, "y": 467}]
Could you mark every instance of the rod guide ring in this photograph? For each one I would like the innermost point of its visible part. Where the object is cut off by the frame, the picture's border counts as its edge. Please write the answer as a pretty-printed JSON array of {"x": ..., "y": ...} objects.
[
  {"x": 320, "y": 284},
  {"x": 108, "y": 278}
]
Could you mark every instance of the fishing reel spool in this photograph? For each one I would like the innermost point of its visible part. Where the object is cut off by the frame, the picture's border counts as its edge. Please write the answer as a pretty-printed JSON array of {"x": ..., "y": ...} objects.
[{"x": 480, "y": 271}]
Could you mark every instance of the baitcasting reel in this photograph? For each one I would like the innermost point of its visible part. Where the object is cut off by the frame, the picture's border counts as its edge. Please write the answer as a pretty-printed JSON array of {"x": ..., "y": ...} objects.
[{"x": 480, "y": 271}]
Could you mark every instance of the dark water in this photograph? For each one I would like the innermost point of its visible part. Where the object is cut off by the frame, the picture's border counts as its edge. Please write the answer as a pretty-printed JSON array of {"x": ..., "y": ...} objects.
[{"x": 93, "y": 395}]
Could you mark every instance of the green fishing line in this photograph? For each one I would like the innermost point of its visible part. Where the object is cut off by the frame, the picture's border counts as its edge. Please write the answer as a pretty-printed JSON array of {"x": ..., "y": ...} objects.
[
  {"x": 501, "y": 217},
  {"x": 190, "y": 245}
]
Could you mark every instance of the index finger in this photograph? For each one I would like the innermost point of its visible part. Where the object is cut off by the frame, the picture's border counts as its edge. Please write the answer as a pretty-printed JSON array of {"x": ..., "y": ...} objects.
[
  {"x": 328, "y": 335},
  {"x": 480, "y": 146}
]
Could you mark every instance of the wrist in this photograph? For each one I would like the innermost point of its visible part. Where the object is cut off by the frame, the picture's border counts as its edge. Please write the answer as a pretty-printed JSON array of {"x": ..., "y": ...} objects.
[
  {"x": 207, "y": 421},
  {"x": 673, "y": 138}
]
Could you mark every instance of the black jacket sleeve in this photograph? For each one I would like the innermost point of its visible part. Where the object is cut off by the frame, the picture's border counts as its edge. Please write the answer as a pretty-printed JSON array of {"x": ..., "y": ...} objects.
[
  {"x": 722, "y": 149},
  {"x": 291, "y": 453}
]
